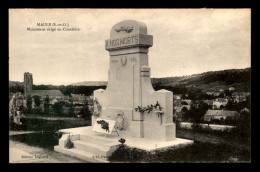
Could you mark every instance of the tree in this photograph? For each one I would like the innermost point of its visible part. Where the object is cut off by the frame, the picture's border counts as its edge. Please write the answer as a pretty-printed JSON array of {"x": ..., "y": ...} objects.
[
  {"x": 16, "y": 88},
  {"x": 197, "y": 111},
  {"x": 85, "y": 112},
  {"x": 29, "y": 104},
  {"x": 71, "y": 111},
  {"x": 58, "y": 108},
  {"x": 47, "y": 104},
  {"x": 185, "y": 114},
  {"x": 227, "y": 93},
  {"x": 244, "y": 125},
  {"x": 37, "y": 102},
  {"x": 230, "y": 120},
  {"x": 194, "y": 93},
  {"x": 230, "y": 105}
]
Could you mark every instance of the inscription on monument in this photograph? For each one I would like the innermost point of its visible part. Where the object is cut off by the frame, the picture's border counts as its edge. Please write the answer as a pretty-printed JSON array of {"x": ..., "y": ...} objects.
[
  {"x": 114, "y": 61},
  {"x": 124, "y": 41},
  {"x": 123, "y": 60},
  {"x": 132, "y": 59}
]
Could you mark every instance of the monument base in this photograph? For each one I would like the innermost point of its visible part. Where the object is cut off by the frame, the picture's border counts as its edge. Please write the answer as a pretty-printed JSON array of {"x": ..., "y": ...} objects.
[{"x": 97, "y": 147}]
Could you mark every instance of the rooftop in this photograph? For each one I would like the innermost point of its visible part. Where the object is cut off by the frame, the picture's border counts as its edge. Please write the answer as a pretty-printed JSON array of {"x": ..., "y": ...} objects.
[{"x": 46, "y": 92}]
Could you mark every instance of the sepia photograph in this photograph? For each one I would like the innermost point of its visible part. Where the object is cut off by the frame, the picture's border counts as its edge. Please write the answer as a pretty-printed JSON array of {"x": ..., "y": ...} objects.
[{"x": 129, "y": 85}]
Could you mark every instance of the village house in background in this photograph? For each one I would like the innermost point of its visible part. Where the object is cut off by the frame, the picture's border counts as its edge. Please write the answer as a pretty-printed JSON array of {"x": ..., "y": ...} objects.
[
  {"x": 220, "y": 114},
  {"x": 240, "y": 96},
  {"x": 219, "y": 103}
]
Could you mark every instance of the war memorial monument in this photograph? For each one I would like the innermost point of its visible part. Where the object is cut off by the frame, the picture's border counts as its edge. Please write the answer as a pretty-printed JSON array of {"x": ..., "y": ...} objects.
[{"x": 129, "y": 108}]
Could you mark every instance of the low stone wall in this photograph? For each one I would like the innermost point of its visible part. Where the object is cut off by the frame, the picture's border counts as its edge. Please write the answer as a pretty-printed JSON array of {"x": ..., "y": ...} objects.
[{"x": 212, "y": 126}]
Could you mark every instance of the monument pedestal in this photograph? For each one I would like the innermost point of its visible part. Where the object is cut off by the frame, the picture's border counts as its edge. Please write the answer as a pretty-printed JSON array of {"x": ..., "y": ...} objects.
[{"x": 96, "y": 147}]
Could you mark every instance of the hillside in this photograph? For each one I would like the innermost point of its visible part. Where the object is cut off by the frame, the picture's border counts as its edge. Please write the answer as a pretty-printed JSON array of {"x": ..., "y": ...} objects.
[
  {"x": 210, "y": 81},
  {"x": 207, "y": 81},
  {"x": 90, "y": 83}
]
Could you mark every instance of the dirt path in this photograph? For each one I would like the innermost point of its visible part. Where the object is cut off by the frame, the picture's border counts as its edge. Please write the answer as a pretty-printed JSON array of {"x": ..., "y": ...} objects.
[{"x": 22, "y": 153}]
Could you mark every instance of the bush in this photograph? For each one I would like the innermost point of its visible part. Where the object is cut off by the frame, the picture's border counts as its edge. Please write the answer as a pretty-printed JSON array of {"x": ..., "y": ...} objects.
[
  {"x": 11, "y": 123},
  {"x": 85, "y": 112}
]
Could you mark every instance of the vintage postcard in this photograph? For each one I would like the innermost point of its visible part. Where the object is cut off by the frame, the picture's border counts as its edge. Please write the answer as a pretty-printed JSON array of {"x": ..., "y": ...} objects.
[{"x": 129, "y": 85}]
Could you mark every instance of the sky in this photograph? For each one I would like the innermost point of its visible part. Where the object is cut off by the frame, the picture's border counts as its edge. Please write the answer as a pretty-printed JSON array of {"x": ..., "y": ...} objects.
[{"x": 185, "y": 42}]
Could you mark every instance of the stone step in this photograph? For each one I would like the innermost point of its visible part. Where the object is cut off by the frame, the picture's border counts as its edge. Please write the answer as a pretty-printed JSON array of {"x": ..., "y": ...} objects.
[
  {"x": 94, "y": 148},
  {"x": 86, "y": 156},
  {"x": 93, "y": 139}
]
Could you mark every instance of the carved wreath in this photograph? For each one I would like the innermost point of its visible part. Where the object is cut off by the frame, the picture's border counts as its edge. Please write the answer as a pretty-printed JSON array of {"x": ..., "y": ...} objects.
[
  {"x": 104, "y": 125},
  {"x": 126, "y": 29}
]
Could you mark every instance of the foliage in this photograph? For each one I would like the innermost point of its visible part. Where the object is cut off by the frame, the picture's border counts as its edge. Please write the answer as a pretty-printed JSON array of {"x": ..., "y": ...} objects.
[
  {"x": 85, "y": 112},
  {"x": 11, "y": 122},
  {"x": 37, "y": 102},
  {"x": 58, "y": 107},
  {"x": 16, "y": 87},
  {"x": 29, "y": 104},
  {"x": 46, "y": 104},
  {"x": 196, "y": 113},
  {"x": 71, "y": 111},
  {"x": 148, "y": 108},
  {"x": 70, "y": 89},
  {"x": 234, "y": 106},
  {"x": 243, "y": 127}
]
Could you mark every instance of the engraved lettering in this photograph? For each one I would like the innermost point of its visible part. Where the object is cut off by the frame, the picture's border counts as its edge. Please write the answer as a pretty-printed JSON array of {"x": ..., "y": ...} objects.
[{"x": 124, "y": 41}]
